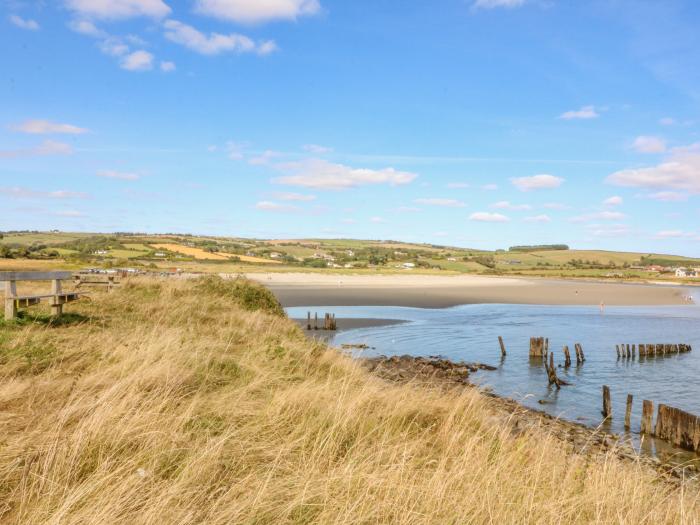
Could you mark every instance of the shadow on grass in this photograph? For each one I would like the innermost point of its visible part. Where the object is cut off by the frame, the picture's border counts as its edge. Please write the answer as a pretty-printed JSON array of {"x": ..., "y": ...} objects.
[{"x": 24, "y": 318}]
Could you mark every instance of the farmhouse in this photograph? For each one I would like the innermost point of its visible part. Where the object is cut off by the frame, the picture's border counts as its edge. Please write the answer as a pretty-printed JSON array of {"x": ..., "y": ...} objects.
[{"x": 685, "y": 272}]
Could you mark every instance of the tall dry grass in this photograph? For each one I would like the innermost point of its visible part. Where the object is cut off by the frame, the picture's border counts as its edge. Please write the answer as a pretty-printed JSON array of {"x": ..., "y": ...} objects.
[{"x": 178, "y": 402}]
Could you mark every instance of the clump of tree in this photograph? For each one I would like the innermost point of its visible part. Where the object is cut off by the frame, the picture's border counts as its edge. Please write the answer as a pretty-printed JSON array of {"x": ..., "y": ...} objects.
[{"x": 538, "y": 247}]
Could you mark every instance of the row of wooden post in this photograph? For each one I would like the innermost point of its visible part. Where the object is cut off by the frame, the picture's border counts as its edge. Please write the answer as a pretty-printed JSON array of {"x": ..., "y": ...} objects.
[
  {"x": 625, "y": 351},
  {"x": 329, "y": 322},
  {"x": 676, "y": 426}
]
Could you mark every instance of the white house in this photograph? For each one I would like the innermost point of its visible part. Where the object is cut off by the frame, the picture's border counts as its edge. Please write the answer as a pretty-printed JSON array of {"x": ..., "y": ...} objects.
[
  {"x": 408, "y": 266},
  {"x": 685, "y": 272}
]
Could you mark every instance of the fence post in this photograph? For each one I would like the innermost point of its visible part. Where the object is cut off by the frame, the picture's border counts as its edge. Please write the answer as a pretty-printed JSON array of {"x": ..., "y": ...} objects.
[
  {"x": 503, "y": 346},
  {"x": 647, "y": 416},
  {"x": 607, "y": 407},
  {"x": 628, "y": 411},
  {"x": 56, "y": 306},
  {"x": 10, "y": 305}
]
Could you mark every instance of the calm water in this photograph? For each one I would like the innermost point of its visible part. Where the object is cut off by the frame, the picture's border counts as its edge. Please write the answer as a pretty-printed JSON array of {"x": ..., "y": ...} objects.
[{"x": 470, "y": 333}]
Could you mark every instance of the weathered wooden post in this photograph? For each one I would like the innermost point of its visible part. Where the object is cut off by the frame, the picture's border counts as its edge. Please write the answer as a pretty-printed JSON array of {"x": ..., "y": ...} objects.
[
  {"x": 503, "y": 346},
  {"x": 629, "y": 353},
  {"x": 567, "y": 357},
  {"x": 315, "y": 320},
  {"x": 617, "y": 349},
  {"x": 546, "y": 347},
  {"x": 647, "y": 416},
  {"x": 56, "y": 306},
  {"x": 628, "y": 411},
  {"x": 308, "y": 320},
  {"x": 536, "y": 346},
  {"x": 10, "y": 305},
  {"x": 634, "y": 350},
  {"x": 681, "y": 428},
  {"x": 607, "y": 407}
]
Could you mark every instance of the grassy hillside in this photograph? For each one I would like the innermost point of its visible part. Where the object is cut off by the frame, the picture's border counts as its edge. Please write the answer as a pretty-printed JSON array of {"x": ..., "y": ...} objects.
[
  {"x": 233, "y": 255},
  {"x": 199, "y": 402}
]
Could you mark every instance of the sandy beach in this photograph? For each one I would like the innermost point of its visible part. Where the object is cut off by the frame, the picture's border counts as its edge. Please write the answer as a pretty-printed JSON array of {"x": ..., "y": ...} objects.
[{"x": 436, "y": 291}]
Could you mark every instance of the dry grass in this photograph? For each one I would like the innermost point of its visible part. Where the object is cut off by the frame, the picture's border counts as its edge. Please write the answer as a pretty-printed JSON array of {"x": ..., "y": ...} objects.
[{"x": 178, "y": 402}]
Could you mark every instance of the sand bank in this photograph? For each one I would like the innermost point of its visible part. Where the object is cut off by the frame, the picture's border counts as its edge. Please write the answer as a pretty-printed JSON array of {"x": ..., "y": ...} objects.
[{"x": 436, "y": 291}]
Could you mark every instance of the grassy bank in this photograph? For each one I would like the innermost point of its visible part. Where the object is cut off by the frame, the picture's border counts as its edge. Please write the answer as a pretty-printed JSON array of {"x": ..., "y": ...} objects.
[{"x": 199, "y": 402}]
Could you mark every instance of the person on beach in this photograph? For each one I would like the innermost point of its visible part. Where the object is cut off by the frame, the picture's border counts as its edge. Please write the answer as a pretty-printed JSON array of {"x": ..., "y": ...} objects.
[{"x": 602, "y": 307}]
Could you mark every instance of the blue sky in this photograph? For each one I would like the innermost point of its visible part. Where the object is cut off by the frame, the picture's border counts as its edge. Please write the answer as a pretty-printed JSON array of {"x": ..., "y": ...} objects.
[{"x": 481, "y": 123}]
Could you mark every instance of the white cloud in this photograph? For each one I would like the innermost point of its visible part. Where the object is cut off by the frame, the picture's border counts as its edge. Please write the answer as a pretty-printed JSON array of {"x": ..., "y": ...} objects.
[
  {"x": 235, "y": 150},
  {"x": 275, "y": 206},
  {"x": 601, "y": 216},
  {"x": 295, "y": 197},
  {"x": 667, "y": 121},
  {"x": 537, "y": 182},
  {"x": 609, "y": 230},
  {"x": 316, "y": 149},
  {"x": 613, "y": 201},
  {"x": 377, "y": 220},
  {"x": 214, "y": 43},
  {"x": 670, "y": 234},
  {"x": 264, "y": 158},
  {"x": 86, "y": 27},
  {"x": 167, "y": 67},
  {"x": 46, "y": 148},
  {"x": 118, "y": 9},
  {"x": 24, "y": 23},
  {"x": 26, "y": 193},
  {"x": 137, "y": 61},
  {"x": 506, "y": 205},
  {"x": 120, "y": 175},
  {"x": 556, "y": 206},
  {"x": 668, "y": 196},
  {"x": 318, "y": 173},
  {"x": 647, "y": 144},
  {"x": 538, "y": 218},
  {"x": 457, "y": 185},
  {"x": 483, "y": 216},
  {"x": 489, "y": 187},
  {"x": 114, "y": 47},
  {"x": 45, "y": 127},
  {"x": 70, "y": 213},
  {"x": 266, "y": 47},
  {"x": 256, "y": 11},
  {"x": 492, "y": 4},
  {"x": 446, "y": 203},
  {"x": 586, "y": 112},
  {"x": 681, "y": 171}
]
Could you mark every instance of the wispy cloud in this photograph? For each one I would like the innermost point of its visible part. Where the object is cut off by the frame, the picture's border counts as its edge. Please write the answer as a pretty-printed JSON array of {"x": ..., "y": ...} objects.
[
  {"x": 167, "y": 66},
  {"x": 46, "y": 127},
  {"x": 680, "y": 171},
  {"x": 253, "y": 12},
  {"x": 24, "y": 23},
  {"x": 668, "y": 196},
  {"x": 615, "y": 200},
  {"x": 672, "y": 234},
  {"x": 601, "y": 216},
  {"x": 457, "y": 185},
  {"x": 119, "y": 175},
  {"x": 27, "y": 193},
  {"x": 538, "y": 218},
  {"x": 118, "y": 9},
  {"x": 489, "y": 187},
  {"x": 648, "y": 144},
  {"x": 493, "y": 4},
  {"x": 507, "y": 205},
  {"x": 137, "y": 61},
  {"x": 316, "y": 149},
  {"x": 321, "y": 174},
  {"x": 584, "y": 113},
  {"x": 46, "y": 148},
  {"x": 537, "y": 182},
  {"x": 300, "y": 197},
  {"x": 276, "y": 207},
  {"x": 445, "y": 203},
  {"x": 214, "y": 43},
  {"x": 484, "y": 216}
]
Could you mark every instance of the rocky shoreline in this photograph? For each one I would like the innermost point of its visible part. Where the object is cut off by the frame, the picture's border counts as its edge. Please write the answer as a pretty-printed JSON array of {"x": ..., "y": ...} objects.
[{"x": 581, "y": 439}]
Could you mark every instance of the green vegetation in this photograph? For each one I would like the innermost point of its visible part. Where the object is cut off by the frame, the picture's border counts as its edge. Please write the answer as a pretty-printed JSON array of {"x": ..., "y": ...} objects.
[{"x": 330, "y": 255}]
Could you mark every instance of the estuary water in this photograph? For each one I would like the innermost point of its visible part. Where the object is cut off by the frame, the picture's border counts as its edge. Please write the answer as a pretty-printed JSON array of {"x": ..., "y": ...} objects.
[{"x": 470, "y": 333}]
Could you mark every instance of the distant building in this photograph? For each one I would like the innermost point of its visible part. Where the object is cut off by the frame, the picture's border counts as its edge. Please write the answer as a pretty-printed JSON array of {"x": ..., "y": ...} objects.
[
  {"x": 159, "y": 254},
  {"x": 685, "y": 272},
  {"x": 452, "y": 259},
  {"x": 100, "y": 252},
  {"x": 408, "y": 266}
]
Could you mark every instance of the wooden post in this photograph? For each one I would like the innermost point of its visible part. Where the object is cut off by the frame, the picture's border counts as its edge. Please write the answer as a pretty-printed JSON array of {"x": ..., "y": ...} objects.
[
  {"x": 617, "y": 349},
  {"x": 56, "y": 306},
  {"x": 647, "y": 416},
  {"x": 10, "y": 294},
  {"x": 628, "y": 411},
  {"x": 315, "y": 320},
  {"x": 634, "y": 350},
  {"x": 536, "y": 346},
  {"x": 308, "y": 320},
  {"x": 607, "y": 407},
  {"x": 567, "y": 357},
  {"x": 503, "y": 346},
  {"x": 546, "y": 347},
  {"x": 681, "y": 428}
]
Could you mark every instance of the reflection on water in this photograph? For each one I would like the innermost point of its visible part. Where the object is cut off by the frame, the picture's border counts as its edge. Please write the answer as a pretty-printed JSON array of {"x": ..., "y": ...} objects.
[{"x": 470, "y": 332}]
